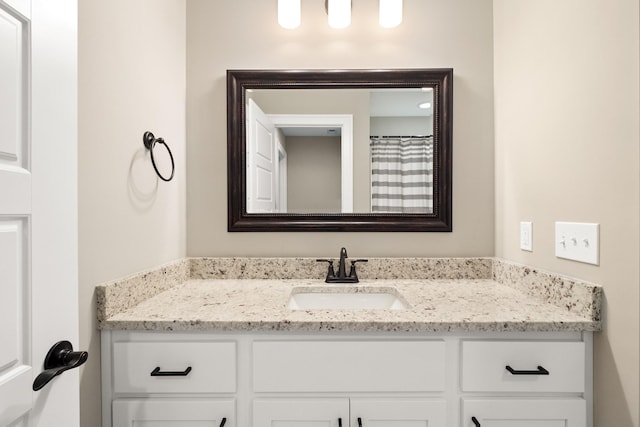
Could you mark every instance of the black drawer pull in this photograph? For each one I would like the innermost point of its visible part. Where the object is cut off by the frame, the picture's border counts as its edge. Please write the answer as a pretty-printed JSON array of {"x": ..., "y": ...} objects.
[
  {"x": 223, "y": 422},
  {"x": 339, "y": 422},
  {"x": 475, "y": 421},
  {"x": 158, "y": 373},
  {"x": 359, "y": 422},
  {"x": 539, "y": 371}
]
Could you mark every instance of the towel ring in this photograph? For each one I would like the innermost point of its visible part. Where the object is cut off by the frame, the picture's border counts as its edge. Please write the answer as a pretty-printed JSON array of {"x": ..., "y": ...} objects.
[{"x": 150, "y": 141}]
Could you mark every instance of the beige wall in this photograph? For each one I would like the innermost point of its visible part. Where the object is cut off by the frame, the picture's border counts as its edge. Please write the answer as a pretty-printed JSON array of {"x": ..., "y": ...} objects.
[
  {"x": 567, "y": 148},
  {"x": 131, "y": 79},
  {"x": 241, "y": 34},
  {"x": 313, "y": 174},
  {"x": 401, "y": 126}
]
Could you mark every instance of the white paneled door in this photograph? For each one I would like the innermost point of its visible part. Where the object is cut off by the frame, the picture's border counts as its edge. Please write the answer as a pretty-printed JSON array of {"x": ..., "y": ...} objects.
[
  {"x": 262, "y": 162},
  {"x": 38, "y": 210}
]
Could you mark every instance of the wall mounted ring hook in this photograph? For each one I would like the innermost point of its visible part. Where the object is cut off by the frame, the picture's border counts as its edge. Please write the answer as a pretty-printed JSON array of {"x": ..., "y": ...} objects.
[{"x": 150, "y": 142}]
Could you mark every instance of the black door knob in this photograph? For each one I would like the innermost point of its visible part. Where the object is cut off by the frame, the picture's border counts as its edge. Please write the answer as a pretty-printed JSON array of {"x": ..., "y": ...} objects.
[{"x": 60, "y": 358}]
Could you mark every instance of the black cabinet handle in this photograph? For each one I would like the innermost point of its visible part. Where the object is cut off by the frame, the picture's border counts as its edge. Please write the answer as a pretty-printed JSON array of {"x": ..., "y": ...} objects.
[
  {"x": 339, "y": 422},
  {"x": 223, "y": 422},
  {"x": 475, "y": 421},
  {"x": 59, "y": 359},
  {"x": 539, "y": 371},
  {"x": 359, "y": 422},
  {"x": 158, "y": 373}
]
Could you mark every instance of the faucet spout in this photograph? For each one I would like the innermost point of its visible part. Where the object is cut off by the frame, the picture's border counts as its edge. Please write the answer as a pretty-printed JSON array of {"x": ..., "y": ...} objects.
[{"x": 342, "y": 269}]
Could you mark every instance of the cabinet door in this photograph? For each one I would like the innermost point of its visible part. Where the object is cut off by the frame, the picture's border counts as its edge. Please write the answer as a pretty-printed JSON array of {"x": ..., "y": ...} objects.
[
  {"x": 174, "y": 413},
  {"x": 524, "y": 413},
  {"x": 400, "y": 412},
  {"x": 301, "y": 412}
]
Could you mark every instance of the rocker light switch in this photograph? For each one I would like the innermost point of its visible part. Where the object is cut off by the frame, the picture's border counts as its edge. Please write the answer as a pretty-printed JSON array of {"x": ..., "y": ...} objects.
[
  {"x": 578, "y": 241},
  {"x": 526, "y": 236}
]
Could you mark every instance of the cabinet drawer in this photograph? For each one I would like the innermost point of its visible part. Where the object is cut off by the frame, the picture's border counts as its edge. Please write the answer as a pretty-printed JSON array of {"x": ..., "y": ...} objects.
[
  {"x": 341, "y": 366},
  {"x": 173, "y": 412},
  {"x": 484, "y": 366},
  {"x": 525, "y": 412},
  {"x": 212, "y": 367}
]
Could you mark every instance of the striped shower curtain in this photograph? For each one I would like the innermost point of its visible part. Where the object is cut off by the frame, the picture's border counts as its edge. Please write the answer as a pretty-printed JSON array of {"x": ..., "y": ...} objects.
[{"x": 402, "y": 174}]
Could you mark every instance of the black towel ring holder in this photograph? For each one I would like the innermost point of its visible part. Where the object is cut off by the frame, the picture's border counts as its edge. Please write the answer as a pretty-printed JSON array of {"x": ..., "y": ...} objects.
[{"x": 150, "y": 142}]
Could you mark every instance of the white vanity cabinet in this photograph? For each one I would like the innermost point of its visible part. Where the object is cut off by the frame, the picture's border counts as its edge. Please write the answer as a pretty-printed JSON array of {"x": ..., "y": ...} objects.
[
  {"x": 518, "y": 412},
  {"x": 346, "y": 412},
  {"x": 173, "y": 412},
  {"x": 334, "y": 379},
  {"x": 513, "y": 369},
  {"x": 388, "y": 412},
  {"x": 305, "y": 412},
  {"x": 362, "y": 366},
  {"x": 156, "y": 381}
]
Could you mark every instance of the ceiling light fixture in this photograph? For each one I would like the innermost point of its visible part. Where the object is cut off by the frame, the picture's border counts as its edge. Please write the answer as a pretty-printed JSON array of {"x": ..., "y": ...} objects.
[
  {"x": 339, "y": 12},
  {"x": 289, "y": 13},
  {"x": 390, "y": 13},
  {"x": 424, "y": 105}
]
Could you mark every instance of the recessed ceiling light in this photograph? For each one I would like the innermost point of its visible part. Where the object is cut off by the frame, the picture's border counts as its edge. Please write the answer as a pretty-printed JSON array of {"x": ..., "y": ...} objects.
[{"x": 424, "y": 105}]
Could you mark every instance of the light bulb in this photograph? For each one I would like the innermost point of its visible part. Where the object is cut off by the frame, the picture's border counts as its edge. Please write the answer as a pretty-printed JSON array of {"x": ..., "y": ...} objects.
[
  {"x": 390, "y": 13},
  {"x": 289, "y": 13},
  {"x": 339, "y": 13}
]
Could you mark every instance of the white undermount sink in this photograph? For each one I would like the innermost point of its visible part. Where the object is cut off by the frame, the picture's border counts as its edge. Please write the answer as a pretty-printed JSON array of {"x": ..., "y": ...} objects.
[{"x": 345, "y": 298}]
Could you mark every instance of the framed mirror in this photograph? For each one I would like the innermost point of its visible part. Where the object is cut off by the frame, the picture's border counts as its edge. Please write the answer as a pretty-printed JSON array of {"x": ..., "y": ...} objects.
[{"x": 339, "y": 150}]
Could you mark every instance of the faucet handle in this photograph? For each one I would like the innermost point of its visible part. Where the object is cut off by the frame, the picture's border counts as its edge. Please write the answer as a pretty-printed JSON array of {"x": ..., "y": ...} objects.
[
  {"x": 352, "y": 271},
  {"x": 330, "y": 272}
]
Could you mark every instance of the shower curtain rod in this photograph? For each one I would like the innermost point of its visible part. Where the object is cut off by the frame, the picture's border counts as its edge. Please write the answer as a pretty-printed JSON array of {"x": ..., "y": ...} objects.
[{"x": 401, "y": 136}]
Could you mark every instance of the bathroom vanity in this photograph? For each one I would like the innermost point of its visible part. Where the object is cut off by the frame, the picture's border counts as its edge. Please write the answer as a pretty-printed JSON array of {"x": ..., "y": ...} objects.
[{"x": 461, "y": 351}]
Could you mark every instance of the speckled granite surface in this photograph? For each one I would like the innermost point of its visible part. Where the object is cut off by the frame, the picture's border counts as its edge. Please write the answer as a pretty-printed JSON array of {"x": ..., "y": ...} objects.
[
  {"x": 261, "y": 305},
  {"x": 250, "y": 294},
  {"x": 579, "y": 297},
  {"x": 120, "y": 295},
  {"x": 307, "y": 268}
]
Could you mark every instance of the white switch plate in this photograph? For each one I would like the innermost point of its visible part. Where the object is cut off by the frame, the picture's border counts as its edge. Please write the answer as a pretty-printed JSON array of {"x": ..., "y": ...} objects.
[
  {"x": 578, "y": 241},
  {"x": 526, "y": 236}
]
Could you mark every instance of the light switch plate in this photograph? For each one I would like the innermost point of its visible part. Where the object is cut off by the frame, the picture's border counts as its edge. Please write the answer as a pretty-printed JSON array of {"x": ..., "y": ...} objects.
[
  {"x": 578, "y": 241},
  {"x": 526, "y": 236}
]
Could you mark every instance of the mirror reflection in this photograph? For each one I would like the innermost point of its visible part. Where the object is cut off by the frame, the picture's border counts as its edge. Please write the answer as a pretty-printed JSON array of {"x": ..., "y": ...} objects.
[
  {"x": 339, "y": 150},
  {"x": 334, "y": 150}
]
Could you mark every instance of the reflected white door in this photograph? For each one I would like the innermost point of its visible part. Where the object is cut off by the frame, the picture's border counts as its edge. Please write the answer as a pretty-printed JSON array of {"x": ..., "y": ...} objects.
[
  {"x": 281, "y": 204},
  {"x": 262, "y": 160},
  {"x": 38, "y": 208}
]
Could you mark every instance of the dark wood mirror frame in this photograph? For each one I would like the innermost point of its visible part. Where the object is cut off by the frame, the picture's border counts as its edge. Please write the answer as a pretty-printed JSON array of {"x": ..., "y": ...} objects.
[{"x": 238, "y": 81}]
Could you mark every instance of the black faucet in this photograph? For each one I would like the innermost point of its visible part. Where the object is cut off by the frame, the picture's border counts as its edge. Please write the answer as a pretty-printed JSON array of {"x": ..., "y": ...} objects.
[{"x": 342, "y": 276}]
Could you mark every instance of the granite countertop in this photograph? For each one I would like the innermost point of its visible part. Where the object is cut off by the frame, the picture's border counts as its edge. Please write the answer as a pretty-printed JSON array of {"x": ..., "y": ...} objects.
[{"x": 434, "y": 305}]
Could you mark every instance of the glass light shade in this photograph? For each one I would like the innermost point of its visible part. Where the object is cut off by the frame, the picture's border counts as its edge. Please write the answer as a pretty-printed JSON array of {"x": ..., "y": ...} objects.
[
  {"x": 390, "y": 13},
  {"x": 339, "y": 13},
  {"x": 289, "y": 13}
]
